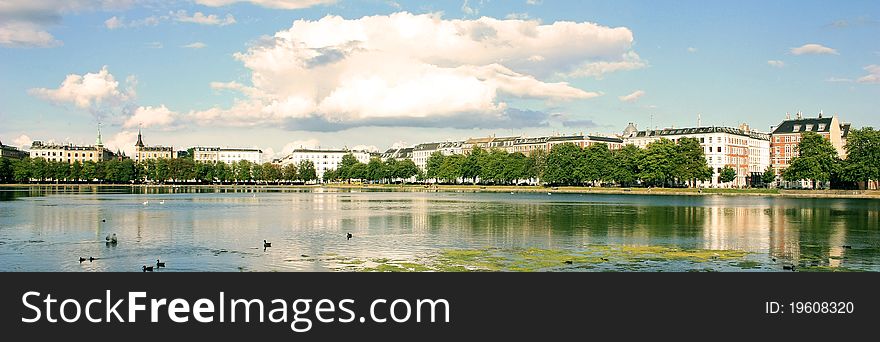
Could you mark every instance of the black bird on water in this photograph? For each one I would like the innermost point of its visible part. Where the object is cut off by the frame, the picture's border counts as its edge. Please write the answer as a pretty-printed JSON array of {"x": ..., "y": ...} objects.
[
  {"x": 148, "y": 269},
  {"x": 348, "y": 236},
  {"x": 81, "y": 259},
  {"x": 266, "y": 244},
  {"x": 568, "y": 262},
  {"x": 91, "y": 259},
  {"x": 159, "y": 264}
]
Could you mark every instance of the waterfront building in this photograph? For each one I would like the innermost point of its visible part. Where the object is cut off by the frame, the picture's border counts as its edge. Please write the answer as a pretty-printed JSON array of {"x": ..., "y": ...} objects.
[
  {"x": 12, "y": 152},
  {"x": 323, "y": 160},
  {"x": 72, "y": 153},
  {"x": 226, "y": 155},
  {"x": 487, "y": 143},
  {"x": 745, "y": 150},
  {"x": 787, "y": 135},
  {"x": 397, "y": 154},
  {"x": 143, "y": 153},
  {"x": 422, "y": 152},
  {"x": 528, "y": 145},
  {"x": 584, "y": 141}
]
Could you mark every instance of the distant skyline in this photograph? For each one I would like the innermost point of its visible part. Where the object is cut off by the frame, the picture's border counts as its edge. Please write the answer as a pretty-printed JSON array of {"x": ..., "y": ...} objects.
[{"x": 284, "y": 74}]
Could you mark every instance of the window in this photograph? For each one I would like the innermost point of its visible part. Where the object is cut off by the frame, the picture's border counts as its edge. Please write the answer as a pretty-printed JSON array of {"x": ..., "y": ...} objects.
[
  {"x": 719, "y": 148},
  {"x": 821, "y": 127},
  {"x": 809, "y": 128},
  {"x": 797, "y": 128}
]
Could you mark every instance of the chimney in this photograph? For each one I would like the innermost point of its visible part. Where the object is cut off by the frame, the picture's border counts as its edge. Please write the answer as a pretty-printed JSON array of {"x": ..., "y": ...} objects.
[
  {"x": 787, "y": 116},
  {"x": 820, "y": 113}
]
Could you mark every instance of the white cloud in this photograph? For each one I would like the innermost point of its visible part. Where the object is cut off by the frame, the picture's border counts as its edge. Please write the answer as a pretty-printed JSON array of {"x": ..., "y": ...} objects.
[
  {"x": 202, "y": 19},
  {"x": 517, "y": 16},
  {"x": 25, "y": 23},
  {"x": 692, "y": 49},
  {"x": 122, "y": 141},
  {"x": 873, "y": 75},
  {"x": 632, "y": 97},
  {"x": 149, "y": 116},
  {"x": 279, "y": 4},
  {"x": 838, "y": 80},
  {"x": 154, "y": 45},
  {"x": 196, "y": 45},
  {"x": 813, "y": 49},
  {"x": 88, "y": 91},
  {"x": 534, "y": 2},
  {"x": 776, "y": 63},
  {"x": 113, "y": 23},
  {"x": 23, "y": 141},
  {"x": 417, "y": 70},
  {"x": 365, "y": 148}
]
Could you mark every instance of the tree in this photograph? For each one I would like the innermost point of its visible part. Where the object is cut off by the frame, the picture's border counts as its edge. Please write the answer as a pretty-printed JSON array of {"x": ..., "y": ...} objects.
[
  {"x": 376, "y": 170},
  {"x": 89, "y": 171},
  {"x": 659, "y": 162},
  {"x": 6, "y": 172},
  {"x": 597, "y": 165},
  {"x": 306, "y": 171},
  {"x": 289, "y": 173},
  {"x": 625, "y": 165},
  {"x": 343, "y": 170},
  {"x": 272, "y": 173},
  {"x": 769, "y": 176},
  {"x": 434, "y": 164},
  {"x": 862, "y": 156},
  {"x": 564, "y": 163},
  {"x": 242, "y": 171},
  {"x": 21, "y": 170},
  {"x": 537, "y": 164},
  {"x": 492, "y": 166},
  {"x": 406, "y": 169},
  {"x": 389, "y": 169},
  {"x": 691, "y": 162},
  {"x": 451, "y": 170},
  {"x": 471, "y": 167},
  {"x": 330, "y": 175},
  {"x": 516, "y": 167},
  {"x": 728, "y": 174},
  {"x": 816, "y": 160}
]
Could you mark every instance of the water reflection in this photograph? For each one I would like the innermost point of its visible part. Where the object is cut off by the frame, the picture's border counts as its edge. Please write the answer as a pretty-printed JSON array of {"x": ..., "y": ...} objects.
[{"x": 222, "y": 228}]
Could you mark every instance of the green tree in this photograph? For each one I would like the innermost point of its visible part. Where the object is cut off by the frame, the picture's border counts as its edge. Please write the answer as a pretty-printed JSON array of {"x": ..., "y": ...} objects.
[
  {"x": 816, "y": 160},
  {"x": 597, "y": 165},
  {"x": 691, "y": 163},
  {"x": 492, "y": 166},
  {"x": 434, "y": 164},
  {"x": 257, "y": 173},
  {"x": 769, "y": 176},
  {"x": 659, "y": 162},
  {"x": 537, "y": 164},
  {"x": 389, "y": 170},
  {"x": 376, "y": 170},
  {"x": 306, "y": 171},
  {"x": 625, "y": 165},
  {"x": 22, "y": 170},
  {"x": 406, "y": 169},
  {"x": 90, "y": 171},
  {"x": 289, "y": 173},
  {"x": 242, "y": 171},
  {"x": 272, "y": 173},
  {"x": 451, "y": 170},
  {"x": 345, "y": 166},
  {"x": 6, "y": 171},
  {"x": 471, "y": 167},
  {"x": 728, "y": 174},
  {"x": 330, "y": 176},
  {"x": 862, "y": 156},
  {"x": 564, "y": 163}
]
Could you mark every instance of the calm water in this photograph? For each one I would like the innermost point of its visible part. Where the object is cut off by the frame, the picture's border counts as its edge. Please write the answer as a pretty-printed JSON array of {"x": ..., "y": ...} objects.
[{"x": 49, "y": 228}]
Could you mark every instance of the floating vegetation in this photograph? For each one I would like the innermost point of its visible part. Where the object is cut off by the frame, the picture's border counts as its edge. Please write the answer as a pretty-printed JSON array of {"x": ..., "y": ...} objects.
[{"x": 588, "y": 258}]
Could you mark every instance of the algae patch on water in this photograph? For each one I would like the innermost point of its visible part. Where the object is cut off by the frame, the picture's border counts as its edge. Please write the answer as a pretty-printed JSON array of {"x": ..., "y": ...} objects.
[{"x": 588, "y": 258}]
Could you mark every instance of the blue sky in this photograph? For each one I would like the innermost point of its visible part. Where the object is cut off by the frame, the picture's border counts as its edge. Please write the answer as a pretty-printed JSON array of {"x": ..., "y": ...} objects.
[{"x": 731, "y": 62}]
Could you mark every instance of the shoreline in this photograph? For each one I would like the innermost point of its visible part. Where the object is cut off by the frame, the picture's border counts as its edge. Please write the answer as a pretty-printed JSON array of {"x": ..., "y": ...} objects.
[{"x": 830, "y": 194}]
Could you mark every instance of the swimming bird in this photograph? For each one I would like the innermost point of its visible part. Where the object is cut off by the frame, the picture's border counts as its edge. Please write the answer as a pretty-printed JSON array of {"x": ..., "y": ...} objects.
[
  {"x": 549, "y": 193},
  {"x": 159, "y": 264},
  {"x": 788, "y": 267},
  {"x": 847, "y": 247},
  {"x": 511, "y": 192},
  {"x": 255, "y": 195},
  {"x": 81, "y": 259},
  {"x": 111, "y": 238},
  {"x": 103, "y": 220},
  {"x": 569, "y": 262},
  {"x": 162, "y": 202},
  {"x": 348, "y": 236},
  {"x": 146, "y": 202},
  {"x": 266, "y": 244},
  {"x": 91, "y": 259},
  {"x": 148, "y": 269}
]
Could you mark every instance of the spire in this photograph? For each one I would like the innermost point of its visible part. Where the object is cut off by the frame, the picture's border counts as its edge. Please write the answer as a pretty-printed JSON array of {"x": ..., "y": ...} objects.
[
  {"x": 98, "y": 141},
  {"x": 140, "y": 142}
]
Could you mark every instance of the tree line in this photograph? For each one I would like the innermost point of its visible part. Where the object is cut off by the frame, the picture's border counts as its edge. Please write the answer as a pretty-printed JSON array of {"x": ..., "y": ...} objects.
[
  {"x": 817, "y": 160},
  {"x": 178, "y": 170},
  {"x": 375, "y": 171},
  {"x": 661, "y": 163}
]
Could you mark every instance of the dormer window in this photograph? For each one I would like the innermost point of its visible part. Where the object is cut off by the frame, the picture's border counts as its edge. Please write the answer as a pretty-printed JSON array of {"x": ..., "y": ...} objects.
[
  {"x": 796, "y": 128},
  {"x": 821, "y": 127},
  {"x": 809, "y": 128}
]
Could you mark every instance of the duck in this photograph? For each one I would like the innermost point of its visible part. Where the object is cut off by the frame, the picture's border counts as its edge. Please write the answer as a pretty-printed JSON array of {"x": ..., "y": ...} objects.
[
  {"x": 162, "y": 202},
  {"x": 569, "y": 262},
  {"x": 148, "y": 269},
  {"x": 847, "y": 247},
  {"x": 146, "y": 202},
  {"x": 159, "y": 264},
  {"x": 91, "y": 259},
  {"x": 348, "y": 236},
  {"x": 266, "y": 244},
  {"x": 103, "y": 220},
  {"x": 549, "y": 194},
  {"x": 81, "y": 259},
  {"x": 111, "y": 238}
]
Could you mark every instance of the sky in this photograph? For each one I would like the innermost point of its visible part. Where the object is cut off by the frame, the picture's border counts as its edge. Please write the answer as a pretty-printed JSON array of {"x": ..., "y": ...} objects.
[{"x": 286, "y": 74}]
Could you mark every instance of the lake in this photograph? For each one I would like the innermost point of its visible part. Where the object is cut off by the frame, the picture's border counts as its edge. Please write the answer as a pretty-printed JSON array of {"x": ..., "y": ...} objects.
[{"x": 48, "y": 228}]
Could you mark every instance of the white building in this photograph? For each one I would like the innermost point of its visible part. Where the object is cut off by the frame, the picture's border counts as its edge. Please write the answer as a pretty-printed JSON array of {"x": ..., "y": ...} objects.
[
  {"x": 323, "y": 159},
  {"x": 227, "y": 155},
  {"x": 746, "y": 151},
  {"x": 422, "y": 152}
]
